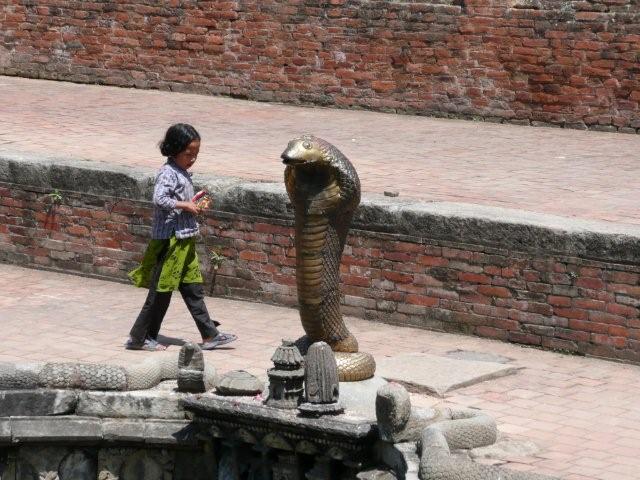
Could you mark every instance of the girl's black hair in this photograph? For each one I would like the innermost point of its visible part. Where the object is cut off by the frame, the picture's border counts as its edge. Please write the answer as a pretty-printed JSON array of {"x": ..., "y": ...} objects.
[{"x": 177, "y": 139}]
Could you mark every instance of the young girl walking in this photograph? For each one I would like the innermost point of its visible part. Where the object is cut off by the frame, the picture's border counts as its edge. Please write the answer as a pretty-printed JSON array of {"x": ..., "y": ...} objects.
[{"x": 170, "y": 261}]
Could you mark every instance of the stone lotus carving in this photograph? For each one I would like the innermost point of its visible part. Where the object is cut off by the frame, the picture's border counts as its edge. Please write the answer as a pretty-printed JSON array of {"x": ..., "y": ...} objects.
[{"x": 321, "y": 384}]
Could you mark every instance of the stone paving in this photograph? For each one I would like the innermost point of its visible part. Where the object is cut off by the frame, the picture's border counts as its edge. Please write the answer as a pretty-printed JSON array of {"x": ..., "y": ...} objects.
[
  {"x": 581, "y": 413},
  {"x": 588, "y": 175}
]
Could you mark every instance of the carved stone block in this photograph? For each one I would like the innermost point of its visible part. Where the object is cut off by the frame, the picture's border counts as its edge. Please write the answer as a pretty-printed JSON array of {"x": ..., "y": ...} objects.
[
  {"x": 322, "y": 386},
  {"x": 191, "y": 369}
]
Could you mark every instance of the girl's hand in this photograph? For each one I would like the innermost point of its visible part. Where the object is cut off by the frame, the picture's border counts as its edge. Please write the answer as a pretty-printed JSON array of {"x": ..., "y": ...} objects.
[{"x": 188, "y": 207}]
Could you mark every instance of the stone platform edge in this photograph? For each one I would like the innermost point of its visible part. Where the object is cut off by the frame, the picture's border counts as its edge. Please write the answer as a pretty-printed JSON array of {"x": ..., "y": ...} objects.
[{"x": 493, "y": 227}]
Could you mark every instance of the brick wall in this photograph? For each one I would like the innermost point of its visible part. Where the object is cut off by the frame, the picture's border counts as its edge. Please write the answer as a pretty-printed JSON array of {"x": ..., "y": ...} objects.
[
  {"x": 558, "y": 302},
  {"x": 570, "y": 63}
]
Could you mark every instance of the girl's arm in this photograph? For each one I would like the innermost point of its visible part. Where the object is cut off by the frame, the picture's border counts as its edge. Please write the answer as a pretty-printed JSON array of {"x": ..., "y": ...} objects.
[
  {"x": 188, "y": 207},
  {"x": 166, "y": 184}
]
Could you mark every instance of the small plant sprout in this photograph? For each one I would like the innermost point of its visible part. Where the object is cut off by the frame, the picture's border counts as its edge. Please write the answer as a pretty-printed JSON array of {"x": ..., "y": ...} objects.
[
  {"x": 216, "y": 258},
  {"x": 56, "y": 197}
]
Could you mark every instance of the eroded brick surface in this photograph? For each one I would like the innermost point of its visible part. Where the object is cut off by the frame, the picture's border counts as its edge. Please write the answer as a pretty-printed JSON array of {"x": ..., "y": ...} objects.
[{"x": 556, "y": 62}]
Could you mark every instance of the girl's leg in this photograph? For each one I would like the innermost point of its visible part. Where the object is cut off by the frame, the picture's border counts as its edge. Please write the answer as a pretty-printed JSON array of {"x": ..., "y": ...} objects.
[
  {"x": 193, "y": 296},
  {"x": 147, "y": 325}
]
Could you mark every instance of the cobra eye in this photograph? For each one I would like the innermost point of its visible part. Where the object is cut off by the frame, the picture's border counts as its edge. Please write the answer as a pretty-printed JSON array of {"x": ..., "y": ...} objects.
[{"x": 306, "y": 145}]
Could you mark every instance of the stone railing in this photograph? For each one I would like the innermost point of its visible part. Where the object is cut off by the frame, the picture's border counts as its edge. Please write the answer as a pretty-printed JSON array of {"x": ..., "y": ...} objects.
[
  {"x": 534, "y": 279},
  {"x": 66, "y": 434}
]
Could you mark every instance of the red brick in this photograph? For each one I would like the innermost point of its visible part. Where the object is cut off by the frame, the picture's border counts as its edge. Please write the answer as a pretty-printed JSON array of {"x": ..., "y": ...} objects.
[
  {"x": 573, "y": 335},
  {"x": 492, "y": 270},
  {"x": 509, "y": 272},
  {"x": 632, "y": 291},
  {"x": 398, "y": 256},
  {"x": 526, "y": 338},
  {"x": 591, "y": 283},
  {"x": 590, "y": 272},
  {"x": 531, "y": 276},
  {"x": 505, "y": 324},
  {"x": 618, "y": 331},
  {"x": 77, "y": 230},
  {"x": 490, "y": 332},
  {"x": 558, "y": 344},
  {"x": 107, "y": 243},
  {"x": 422, "y": 300},
  {"x": 623, "y": 310},
  {"x": 455, "y": 253},
  {"x": 473, "y": 297},
  {"x": 559, "y": 279},
  {"x": 571, "y": 313},
  {"x": 408, "y": 247},
  {"x": 473, "y": 278},
  {"x": 432, "y": 261},
  {"x": 356, "y": 281},
  {"x": 410, "y": 288},
  {"x": 491, "y": 291},
  {"x": 559, "y": 301},
  {"x": 397, "y": 277},
  {"x": 285, "y": 279},
  {"x": 272, "y": 229},
  {"x": 588, "y": 304},
  {"x": 616, "y": 342},
  {"x": 588, "y": 326},
  {"x": 252, "y": 256},
  {"x": 624, "y": 277}
]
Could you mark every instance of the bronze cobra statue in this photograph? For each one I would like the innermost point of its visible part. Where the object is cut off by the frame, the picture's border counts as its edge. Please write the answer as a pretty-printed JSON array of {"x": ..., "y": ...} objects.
[{"x": 325, "y": 191}]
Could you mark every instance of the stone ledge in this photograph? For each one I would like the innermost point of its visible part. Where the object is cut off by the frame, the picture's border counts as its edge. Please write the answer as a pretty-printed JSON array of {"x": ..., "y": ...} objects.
[
  {"x": 91, "y": 430},
  {"x": 134, "y": 404},
  {"x": 39, "y": 402},
  {"x": 55, "y": 429},
  {"x": 492, "y": 227}
]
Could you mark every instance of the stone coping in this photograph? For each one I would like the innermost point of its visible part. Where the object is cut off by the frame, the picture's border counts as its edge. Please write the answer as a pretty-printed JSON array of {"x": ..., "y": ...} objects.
[
  {"x": 252, "y": 412},
  {"x": 93, "y": 430},
  {"x": 491, "y": 227}
]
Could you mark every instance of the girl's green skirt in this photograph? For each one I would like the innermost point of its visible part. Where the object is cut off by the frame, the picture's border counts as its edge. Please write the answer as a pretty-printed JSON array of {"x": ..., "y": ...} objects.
[{"x": 180, "y": 264}]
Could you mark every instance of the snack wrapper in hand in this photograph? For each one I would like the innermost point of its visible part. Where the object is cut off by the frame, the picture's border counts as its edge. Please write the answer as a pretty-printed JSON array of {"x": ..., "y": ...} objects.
[{"x": 202, "y": 199}]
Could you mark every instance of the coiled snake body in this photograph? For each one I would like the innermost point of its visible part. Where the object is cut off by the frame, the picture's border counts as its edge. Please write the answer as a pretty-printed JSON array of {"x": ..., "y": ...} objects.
[{"x": 325, "y": 190}]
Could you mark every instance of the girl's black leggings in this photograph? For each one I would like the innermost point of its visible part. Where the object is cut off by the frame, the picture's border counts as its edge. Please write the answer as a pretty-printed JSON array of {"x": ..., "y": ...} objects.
[{"x": 155, "y": 307}]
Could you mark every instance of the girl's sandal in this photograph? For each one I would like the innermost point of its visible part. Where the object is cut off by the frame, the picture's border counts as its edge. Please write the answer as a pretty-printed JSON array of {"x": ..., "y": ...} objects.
[
  {"x": 220, "y": 339},
  {"x": 148, "y": 345}
]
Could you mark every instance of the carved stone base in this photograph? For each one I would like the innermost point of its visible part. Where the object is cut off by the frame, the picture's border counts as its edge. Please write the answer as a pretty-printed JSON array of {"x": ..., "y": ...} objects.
[{"x": 317, "y": 409}]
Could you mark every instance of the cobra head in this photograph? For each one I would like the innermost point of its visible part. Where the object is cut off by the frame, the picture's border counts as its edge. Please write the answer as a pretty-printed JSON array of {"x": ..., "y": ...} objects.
[{"x": 302, "y": 150}]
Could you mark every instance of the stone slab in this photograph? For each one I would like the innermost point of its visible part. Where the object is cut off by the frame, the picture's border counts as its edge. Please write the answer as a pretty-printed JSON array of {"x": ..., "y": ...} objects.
[
  {"x": 5, "y": 430},
  {"x": 136, "y": 404},
  {"x": 171, "y": 432},
  {"x": 425, "y": 373},
  {"x": 56, "y": 429},
  {"x": 123, "y": 430},
  {"x": 159, "y": 432},
  {"x": 359, "y": 398},
  {"x": 251, "y": 411},
  {"x": 27, "y": 403}
]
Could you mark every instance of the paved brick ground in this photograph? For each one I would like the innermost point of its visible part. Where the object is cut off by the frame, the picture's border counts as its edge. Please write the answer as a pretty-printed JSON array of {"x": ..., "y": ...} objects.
[
  {"x": 582, "y": 413},
  {"x": 571, "y": 173}
]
